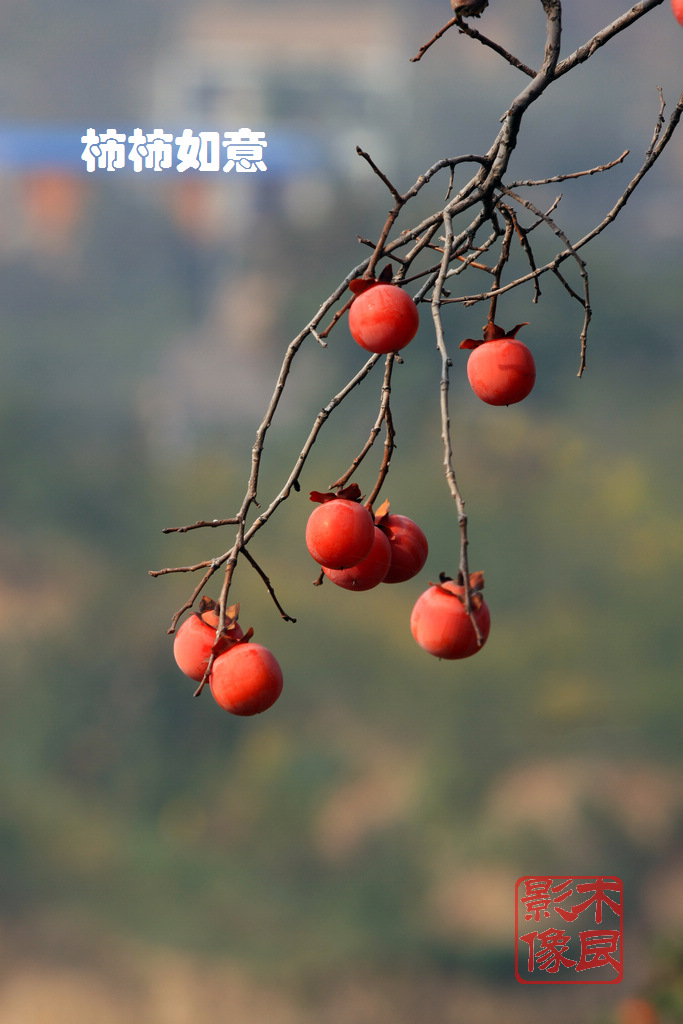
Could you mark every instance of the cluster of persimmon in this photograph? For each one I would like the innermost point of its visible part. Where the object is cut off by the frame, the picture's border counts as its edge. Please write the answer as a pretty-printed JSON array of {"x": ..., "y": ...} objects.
[
  {"x": 358, "y": 551},
  {"x": 356, "y": 548},
  {"x": 245, "y": 677}
]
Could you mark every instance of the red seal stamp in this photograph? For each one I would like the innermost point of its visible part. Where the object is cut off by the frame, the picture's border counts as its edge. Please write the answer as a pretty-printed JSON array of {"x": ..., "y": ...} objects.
[{"x": 569, "y": 930}]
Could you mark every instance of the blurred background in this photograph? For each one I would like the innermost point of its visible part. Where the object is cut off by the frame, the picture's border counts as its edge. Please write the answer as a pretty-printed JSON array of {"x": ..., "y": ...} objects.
[{"x": 350, "y": 856}]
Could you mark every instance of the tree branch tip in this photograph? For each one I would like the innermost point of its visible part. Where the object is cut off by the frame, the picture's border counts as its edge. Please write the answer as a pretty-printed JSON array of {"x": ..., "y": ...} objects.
[{"x": 321, "y": 341}]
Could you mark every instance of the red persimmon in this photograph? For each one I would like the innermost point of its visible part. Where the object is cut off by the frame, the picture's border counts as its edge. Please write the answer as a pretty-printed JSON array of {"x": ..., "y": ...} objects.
[
  {"x": 339, "y": 533},
  {"x": 196, "y": 637},
  {"x": 383, "y": 319},
  {"x": 409, "y": 548},
  {"x": 500, "y": 368},
  {"x": 441, "y": 625},
  {"x": 246, "y": 680},
  {"x": 677, "y": 8},
  {"x": 501, "y": 372},
  {"x": 368, "y": 573}
]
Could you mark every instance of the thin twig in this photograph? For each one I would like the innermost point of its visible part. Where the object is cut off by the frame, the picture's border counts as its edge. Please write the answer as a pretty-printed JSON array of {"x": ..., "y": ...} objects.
[
  {"x": 269, "y": 586},
  {"x": 381, "y": 416},
  {"x": 659, "y": 125},
  {"x": 583, "y": 53},
  {"x": 390, "y": 432},
  {"x": 380, "y": 174},
  {"x": 574, "y": 174},
  {"x": 201, "y": 524},
  {"x": 509, "y": 57},
  {"x": 525, "y": 245},
  {"x": 449, "y": 470},
  {"x": 502, "y": 261},
  {"x": 425, "y": 46}
]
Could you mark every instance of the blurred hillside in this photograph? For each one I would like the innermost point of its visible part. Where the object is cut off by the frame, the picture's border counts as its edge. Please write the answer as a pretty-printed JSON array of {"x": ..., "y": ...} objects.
[{"x": 350, "y": 855}]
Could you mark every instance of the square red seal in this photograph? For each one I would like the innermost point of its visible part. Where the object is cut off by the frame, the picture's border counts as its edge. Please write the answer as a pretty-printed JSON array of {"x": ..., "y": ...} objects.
[{"x": 569, "y": 930}]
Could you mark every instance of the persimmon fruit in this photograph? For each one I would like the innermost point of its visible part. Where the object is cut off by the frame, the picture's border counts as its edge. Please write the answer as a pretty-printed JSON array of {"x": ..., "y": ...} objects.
[
  {"x": 501, "y": 368},
  {"x": 409, "y": 547},
  {"x": 196, "y": 637},
  {"x": 677, "y": 8},
  {"x": 370, "y": 572},
  {"x": 340, "y": 532},
  {"x": 246, "y": 679},
  {"x": 383, "y": 318},
  {"x": 440, "y": 623}
]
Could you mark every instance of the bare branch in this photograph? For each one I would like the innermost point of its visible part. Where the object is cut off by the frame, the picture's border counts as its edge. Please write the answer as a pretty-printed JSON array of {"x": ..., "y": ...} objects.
[
  {"x": 653, "y": 154},
  {"x": 423, "y": 49},
  {"x": 478, "y": 203},
  {"x": 659, "y": 125},
  {"x": 201, "y": 524},
  {"x": 586, "y": 51},
  {"x": 449, "y": 470},
  {"x": 382, "y": 416},
  {"x": 585, "y": 302},
  {"x": 252, "y": 561},
  {"x": 574, "y": 174},
  {"x": 509, "y": 57},
  {"x": 380, "y": 174},
  {"x": 390, "y": 432}
]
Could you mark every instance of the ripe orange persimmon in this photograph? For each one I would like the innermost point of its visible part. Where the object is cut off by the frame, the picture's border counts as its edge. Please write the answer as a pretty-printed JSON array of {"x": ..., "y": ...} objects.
[
  {"x": 500, "y": 368},
  {"x": 195, "y": 639},
  {"x": 340, "y": 532},
  {"x": 677, "y": 8},
  {"x": 441, "y": 625},
  {"x": 246, "y": 679},
  {"x": 409, "y": 547},
  {"x": 370, "y": 572},
  {"x": 383, "y": 318}
]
